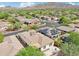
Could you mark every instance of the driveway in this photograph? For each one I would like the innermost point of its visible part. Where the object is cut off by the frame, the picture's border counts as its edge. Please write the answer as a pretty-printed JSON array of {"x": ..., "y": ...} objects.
[{"x": 53, "y": 51}]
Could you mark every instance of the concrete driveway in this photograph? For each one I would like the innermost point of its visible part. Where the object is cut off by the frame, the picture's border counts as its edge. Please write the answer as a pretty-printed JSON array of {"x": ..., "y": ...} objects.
[{"x": 53, "y": 51}]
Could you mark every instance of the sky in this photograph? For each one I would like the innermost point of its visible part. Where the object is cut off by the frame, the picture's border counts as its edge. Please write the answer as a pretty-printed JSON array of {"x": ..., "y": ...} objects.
[
  {"x": 73, "y": 3},
  {"x": 19, "y": 4},
  {"x": 24, "y": 4}
]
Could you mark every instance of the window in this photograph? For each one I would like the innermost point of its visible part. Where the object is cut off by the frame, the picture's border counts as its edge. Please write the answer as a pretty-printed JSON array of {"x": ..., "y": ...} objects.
[
  {"x": 50, "y": 44},
  {"x": 44, "y": 47}
]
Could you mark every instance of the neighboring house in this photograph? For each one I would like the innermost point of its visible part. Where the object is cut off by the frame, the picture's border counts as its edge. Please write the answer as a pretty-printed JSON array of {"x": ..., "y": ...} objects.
[
  {"x": 65, "y": 29},
  {"x": 10, "y": 46},
  {"x": 50, "y": 32},
  {"x": 71, "y": 25},
  {"x": 32, "y": 21},
  {"x": 36, "y": 39},
  {"x": 45, "y": 18},
  {"x": 55, "y": 19},
  {"x": 75, "y": 26},
  {"x": 3, "y": 26},
  {"x": 42, "y": 24},
  {"x": 22, "y": 19},
  {"x": 65, "y": 32}
]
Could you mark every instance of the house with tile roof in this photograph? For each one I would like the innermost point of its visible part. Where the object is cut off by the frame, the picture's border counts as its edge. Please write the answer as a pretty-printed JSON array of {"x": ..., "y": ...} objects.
[
  {"x": 36, "y": 39},
  {"x": 32, "y": 21}
]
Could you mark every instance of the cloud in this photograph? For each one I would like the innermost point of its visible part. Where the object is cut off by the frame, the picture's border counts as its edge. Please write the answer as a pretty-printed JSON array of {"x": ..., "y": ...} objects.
[
  {"x": 2, "y": 5},
  {"x": 72, "y": 3},
  {"x": 23, "y": 4}
]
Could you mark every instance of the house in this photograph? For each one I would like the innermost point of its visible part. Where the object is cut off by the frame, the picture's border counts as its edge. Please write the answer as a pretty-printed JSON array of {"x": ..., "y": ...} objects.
[
  {"x": 33, "y": 38},
  {"x": 32, "y": 21},
  {"x": 22, "y": 19},
  {"x": 65, "y": 32},
  {"x": 75, "y": 26},
  {"x": 65, "y": 29},
  {"x": 55, "y": 19},
  {"x": 50, "y": 18},
  {"x": 3, "y": 26},
  {"x": 50, "y": 32},
  {"x": 45, "y": 18},
  {"x": 71, "y": 25},
  {"x": 10, "y": 46}
]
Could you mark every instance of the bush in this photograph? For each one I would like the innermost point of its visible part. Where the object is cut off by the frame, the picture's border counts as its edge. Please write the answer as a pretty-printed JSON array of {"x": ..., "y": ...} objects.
[
  {"x": 29, "y": 16},
  {"x": 58, "y": 42},
  {"x": 1, "y": 37},
  {"x": 25, "y": 27},
  {"x": 11, "y": 27},
  {"x": 30, "y": 51},
  {"x": 34, "y": 27},
  {"x": 64, "y": 20}
]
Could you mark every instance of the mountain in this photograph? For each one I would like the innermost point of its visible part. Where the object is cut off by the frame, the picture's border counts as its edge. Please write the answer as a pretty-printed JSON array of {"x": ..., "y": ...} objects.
[
  {"x": 53, "y": 5},
  {"x": 44, "y": 5}
]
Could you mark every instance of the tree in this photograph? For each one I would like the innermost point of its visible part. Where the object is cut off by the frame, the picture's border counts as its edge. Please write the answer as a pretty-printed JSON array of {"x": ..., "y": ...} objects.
[
  {"x": 11, "y": 27},
  {"x": 1, "y": 37},
  {"x": 17, "y": 25},
  {"x": 14, "y": 26},
  {"x": 30, "y": 51},
  {"x": 34, "y": 27},
  {"x": 11, "y": 19},
  {"x": 64, "y": 20},
  {"x": 29, "y": 16},
  {"x": 58, "y": 42},
  {"x": 3, "y": 15},
  {"x": 25, "y": 27},
  {"x": 70, "y": 49},
  {"x": 74, "y": 37}
]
